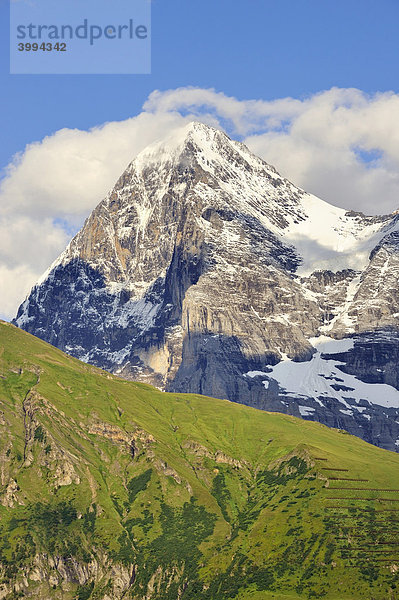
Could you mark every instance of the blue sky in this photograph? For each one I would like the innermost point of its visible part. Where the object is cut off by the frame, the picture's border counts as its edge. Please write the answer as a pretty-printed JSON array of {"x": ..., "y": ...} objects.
[{"x": 248, "y": 49}]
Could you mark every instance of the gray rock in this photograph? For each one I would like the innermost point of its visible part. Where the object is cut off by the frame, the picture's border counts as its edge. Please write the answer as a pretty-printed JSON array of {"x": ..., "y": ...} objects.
[{"x": 203, "y": 264}]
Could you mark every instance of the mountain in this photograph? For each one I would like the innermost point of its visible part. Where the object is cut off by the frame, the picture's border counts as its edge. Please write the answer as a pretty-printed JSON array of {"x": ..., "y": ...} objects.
[
  {"x": 112, "y": 489},
  {"x": 205, "y": 271}
]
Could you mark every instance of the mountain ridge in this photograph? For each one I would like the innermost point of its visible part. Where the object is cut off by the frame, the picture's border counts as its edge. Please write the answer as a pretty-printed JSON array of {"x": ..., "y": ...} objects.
[{"x": 203, "y": 264}]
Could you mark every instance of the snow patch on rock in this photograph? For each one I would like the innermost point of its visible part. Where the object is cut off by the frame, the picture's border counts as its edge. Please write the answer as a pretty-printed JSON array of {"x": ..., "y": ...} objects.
[{"x": 318, "y": 378}]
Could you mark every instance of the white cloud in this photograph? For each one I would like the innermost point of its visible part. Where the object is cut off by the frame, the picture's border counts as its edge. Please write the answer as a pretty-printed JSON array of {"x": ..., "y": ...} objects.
[
  {"x": 319, "y": 142},
  {"x": 242, "y": 116},
  {"x": 14, "y": 282},
  {"x": 66, "y": 174},
  {"x": 343, "y": 147}
]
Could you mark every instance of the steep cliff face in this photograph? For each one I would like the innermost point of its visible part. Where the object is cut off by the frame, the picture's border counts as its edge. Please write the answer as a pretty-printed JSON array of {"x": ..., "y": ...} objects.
[{"x": 204, "y": 264}]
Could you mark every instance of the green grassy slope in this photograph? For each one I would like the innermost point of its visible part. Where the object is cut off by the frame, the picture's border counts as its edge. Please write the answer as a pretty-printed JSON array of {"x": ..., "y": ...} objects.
[{"x": 111, "y": 489}]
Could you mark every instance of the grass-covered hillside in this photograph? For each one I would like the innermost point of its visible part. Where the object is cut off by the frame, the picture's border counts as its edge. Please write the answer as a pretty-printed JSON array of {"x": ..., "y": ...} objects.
[{"x": 112, "y": 489}]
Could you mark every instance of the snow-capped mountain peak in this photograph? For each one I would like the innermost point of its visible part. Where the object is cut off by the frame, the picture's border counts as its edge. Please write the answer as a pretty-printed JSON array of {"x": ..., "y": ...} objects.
[{"x": 203, "y": 264}]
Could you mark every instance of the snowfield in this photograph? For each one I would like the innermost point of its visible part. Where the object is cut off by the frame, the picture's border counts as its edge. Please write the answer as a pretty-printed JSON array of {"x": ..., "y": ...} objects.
[{"x": 316, "y": 378}]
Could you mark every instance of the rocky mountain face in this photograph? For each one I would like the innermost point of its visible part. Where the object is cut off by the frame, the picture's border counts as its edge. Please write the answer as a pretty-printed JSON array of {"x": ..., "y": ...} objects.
[{"x": 205, "y": 271}]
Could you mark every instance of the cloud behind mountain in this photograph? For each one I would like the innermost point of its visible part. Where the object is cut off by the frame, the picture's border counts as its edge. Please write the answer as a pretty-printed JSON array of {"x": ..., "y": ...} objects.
[{"x": 340, "y": 144}]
